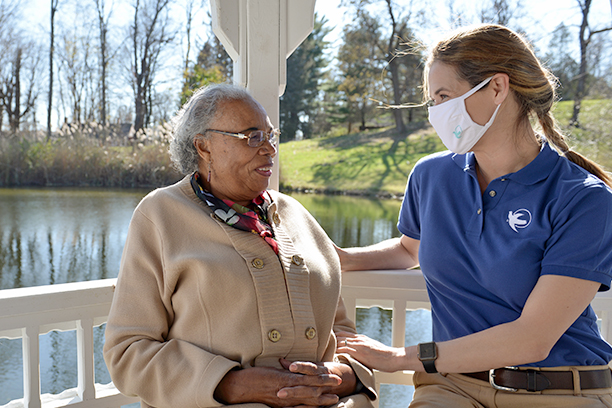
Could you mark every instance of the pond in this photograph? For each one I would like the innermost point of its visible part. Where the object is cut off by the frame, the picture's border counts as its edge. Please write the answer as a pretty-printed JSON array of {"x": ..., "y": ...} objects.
[{"x": 51, "y": 236}]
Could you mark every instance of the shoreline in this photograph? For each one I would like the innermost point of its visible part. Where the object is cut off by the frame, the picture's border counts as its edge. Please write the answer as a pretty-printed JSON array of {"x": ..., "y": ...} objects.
[{"x": 383, "y": 195}]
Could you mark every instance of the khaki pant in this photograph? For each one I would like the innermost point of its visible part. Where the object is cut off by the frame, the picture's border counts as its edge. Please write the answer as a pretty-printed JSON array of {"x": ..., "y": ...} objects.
[{"x": 460, "y": 391}]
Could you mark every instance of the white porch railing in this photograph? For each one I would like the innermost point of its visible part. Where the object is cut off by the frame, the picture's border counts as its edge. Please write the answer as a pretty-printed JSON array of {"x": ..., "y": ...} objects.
[{"x": 28, "y": 312}]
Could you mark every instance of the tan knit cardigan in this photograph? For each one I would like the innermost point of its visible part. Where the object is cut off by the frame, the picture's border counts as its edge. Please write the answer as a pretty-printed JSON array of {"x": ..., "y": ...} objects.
[{"x": 196, "y": 298}]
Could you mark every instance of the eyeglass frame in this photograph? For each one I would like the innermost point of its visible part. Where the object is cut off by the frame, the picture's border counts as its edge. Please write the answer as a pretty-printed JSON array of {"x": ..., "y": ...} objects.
[{"x": 271, "y": 136}]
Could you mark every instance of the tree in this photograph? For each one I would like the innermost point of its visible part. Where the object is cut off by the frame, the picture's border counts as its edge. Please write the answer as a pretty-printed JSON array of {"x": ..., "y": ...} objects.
[
  {"x": 411, "y": 74},
  {"x": 199, "y": 76},
  {"x": 304, "y": 73},
  {"x": 103, "y": 58},
  {"x": 9, "y": 11},
  {"x": 16, "y": 103},
  {"x": 359, "y": 63},
  {"x": 397, "y": 35},
  {"x": 149, "y": 36},
  {"x": 502, "y": 12},
  {"x": 560, "y": 61},
  {"x": 188, "y": 23},
  {"x": 213, "y": 65},
  {"x": 75, "y": 54},
  {"x": 54, "y": 6},
  {"x": 585, "y": 37}
]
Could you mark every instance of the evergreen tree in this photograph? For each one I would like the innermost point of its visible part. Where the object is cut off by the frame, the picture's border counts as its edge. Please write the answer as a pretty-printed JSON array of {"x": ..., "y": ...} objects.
[{"x": 305, "y": 70}]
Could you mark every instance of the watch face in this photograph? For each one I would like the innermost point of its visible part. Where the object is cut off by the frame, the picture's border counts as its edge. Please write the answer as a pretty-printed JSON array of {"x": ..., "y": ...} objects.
[{"x": 427, "y": 351}]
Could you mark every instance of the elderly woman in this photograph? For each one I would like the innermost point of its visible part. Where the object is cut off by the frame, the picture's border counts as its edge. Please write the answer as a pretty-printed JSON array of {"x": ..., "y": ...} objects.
[{"x": 229, "y": 293}]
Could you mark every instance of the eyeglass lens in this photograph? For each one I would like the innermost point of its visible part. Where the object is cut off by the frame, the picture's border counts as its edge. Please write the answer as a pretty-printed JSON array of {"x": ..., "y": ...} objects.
[{"x": 257, "y": 137}]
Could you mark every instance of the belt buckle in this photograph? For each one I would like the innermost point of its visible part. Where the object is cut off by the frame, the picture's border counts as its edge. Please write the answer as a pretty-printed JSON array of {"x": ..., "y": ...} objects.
[{"x": 499, "y": 387}]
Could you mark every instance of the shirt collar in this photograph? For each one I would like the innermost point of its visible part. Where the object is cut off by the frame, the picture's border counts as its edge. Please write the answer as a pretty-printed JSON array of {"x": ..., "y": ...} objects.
[{"x": 534, "y": 172}]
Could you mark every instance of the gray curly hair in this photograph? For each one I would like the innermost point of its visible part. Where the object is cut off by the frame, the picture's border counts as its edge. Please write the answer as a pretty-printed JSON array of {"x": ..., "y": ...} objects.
[{"x": 194, "y": 118}]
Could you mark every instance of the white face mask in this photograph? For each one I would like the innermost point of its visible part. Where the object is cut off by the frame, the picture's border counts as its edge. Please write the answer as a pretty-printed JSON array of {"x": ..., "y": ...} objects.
[{"x": 454, "y": 126}]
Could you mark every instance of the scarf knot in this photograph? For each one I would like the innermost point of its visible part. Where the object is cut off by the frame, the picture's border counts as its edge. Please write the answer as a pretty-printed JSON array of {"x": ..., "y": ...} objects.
[{"x": 235, "y": 215}]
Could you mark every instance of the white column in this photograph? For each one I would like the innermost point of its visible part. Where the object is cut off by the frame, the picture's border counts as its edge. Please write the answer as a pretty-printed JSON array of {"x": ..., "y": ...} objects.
[
  {"x": 85, "y": 360},
  {"x": 31, "y": 367},
  {"x": 260, "y": 35}
]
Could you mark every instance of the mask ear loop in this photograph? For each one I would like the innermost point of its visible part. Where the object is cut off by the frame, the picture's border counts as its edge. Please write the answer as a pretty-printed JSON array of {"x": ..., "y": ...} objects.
[
  {"x": 476, "y": 88},
  {"x": 465, "y": 95}
]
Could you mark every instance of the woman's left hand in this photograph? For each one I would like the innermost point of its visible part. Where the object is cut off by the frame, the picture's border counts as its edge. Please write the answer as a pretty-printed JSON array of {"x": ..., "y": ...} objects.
[
  {"x": 344, "y": 371},
  {"x": 370, "y": 352}
]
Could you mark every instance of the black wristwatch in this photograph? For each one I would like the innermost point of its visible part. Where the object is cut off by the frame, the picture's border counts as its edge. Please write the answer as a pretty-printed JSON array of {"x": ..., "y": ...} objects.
[{"x": 428, "y": 353}]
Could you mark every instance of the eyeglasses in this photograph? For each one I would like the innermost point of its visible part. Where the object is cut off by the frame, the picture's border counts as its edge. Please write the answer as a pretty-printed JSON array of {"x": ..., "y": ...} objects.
[{"x": 254, "y": 139}]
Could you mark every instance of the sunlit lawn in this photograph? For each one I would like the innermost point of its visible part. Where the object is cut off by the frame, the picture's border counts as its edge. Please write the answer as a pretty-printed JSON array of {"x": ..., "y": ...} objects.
[{"x": 376, "y": 161}]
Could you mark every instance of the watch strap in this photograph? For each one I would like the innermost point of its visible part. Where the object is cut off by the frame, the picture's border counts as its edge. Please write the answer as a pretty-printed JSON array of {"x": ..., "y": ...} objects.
[{"x": 430, "y": 366}]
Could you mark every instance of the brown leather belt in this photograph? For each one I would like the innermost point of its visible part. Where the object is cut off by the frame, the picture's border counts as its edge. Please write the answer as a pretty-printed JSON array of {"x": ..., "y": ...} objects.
[{"x": 513, "y": 379}]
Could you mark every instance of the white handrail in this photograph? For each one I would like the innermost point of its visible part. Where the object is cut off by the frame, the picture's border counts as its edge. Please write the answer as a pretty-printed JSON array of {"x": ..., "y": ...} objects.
[{"x": 28, "y": 312}]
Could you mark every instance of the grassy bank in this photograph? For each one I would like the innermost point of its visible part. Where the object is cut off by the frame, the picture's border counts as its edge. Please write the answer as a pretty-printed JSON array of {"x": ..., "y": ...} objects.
[
  {"x": 378, "y": 162},
  {"x": 594, "y": 136},
  {"x": 375, "y": 162}
]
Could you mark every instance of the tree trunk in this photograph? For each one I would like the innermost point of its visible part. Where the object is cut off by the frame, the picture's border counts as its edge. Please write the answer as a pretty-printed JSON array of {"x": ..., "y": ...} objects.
[
  {"x": 146, "y": 52},
  {"x": 103, "y": 59},
  {"x": 14, "y": 111},
  {"x": 189, "y": 15},
  {"x": 397, "y": 97},
  {"x": 54, "y": 4},
  {"x": 582, "y": 74},
  {"x": 396, "y": 33}
]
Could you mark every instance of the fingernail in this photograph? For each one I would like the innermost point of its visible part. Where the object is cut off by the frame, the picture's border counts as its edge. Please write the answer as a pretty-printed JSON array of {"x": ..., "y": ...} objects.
[{"x": 281, "y": 394}]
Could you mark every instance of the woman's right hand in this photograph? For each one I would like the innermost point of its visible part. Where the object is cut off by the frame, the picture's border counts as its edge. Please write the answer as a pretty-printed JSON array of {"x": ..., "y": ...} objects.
[
  {"x": 262, "y": 384},
  {"x": 393, "y": 253},
  {"x": 370, "y": 352}
]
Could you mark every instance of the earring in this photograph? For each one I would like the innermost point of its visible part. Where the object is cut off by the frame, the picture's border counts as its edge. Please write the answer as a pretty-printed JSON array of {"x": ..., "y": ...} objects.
[{"x": 208, "y": 179}]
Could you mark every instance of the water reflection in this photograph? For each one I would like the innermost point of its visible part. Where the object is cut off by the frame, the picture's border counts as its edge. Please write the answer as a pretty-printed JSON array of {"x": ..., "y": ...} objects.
[
  {"x": 51, "y": 236},
  {"x": 57, "y": 236},
  {"x": 353, "y": 221}
]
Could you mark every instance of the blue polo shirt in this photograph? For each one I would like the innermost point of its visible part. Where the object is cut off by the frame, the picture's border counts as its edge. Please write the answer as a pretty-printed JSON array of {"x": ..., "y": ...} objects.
[{"x": 482, "y": 254}]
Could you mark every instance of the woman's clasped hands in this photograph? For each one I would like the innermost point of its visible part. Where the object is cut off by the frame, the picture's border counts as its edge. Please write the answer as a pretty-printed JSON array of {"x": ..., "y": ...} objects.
[{"x": 298, "y": 384}]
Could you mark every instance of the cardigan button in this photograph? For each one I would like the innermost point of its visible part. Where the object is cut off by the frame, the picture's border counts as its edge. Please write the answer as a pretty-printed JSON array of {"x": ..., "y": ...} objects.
[
  {"x": 297, "y": 260},
  {"x": 276, "y": 218},
  {"x": 274, "y": 335},
  {"x": 257, "y": 263},
  {"x": 311, "y": 332}
]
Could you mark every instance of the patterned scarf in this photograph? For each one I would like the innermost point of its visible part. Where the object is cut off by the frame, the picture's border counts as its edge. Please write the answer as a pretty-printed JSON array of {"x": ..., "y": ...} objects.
[{"x": 238, "y": 216}]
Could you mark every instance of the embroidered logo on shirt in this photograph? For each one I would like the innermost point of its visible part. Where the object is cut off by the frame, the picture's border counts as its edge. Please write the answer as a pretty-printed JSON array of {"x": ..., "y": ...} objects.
[{"x": 519, "y": 219}]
